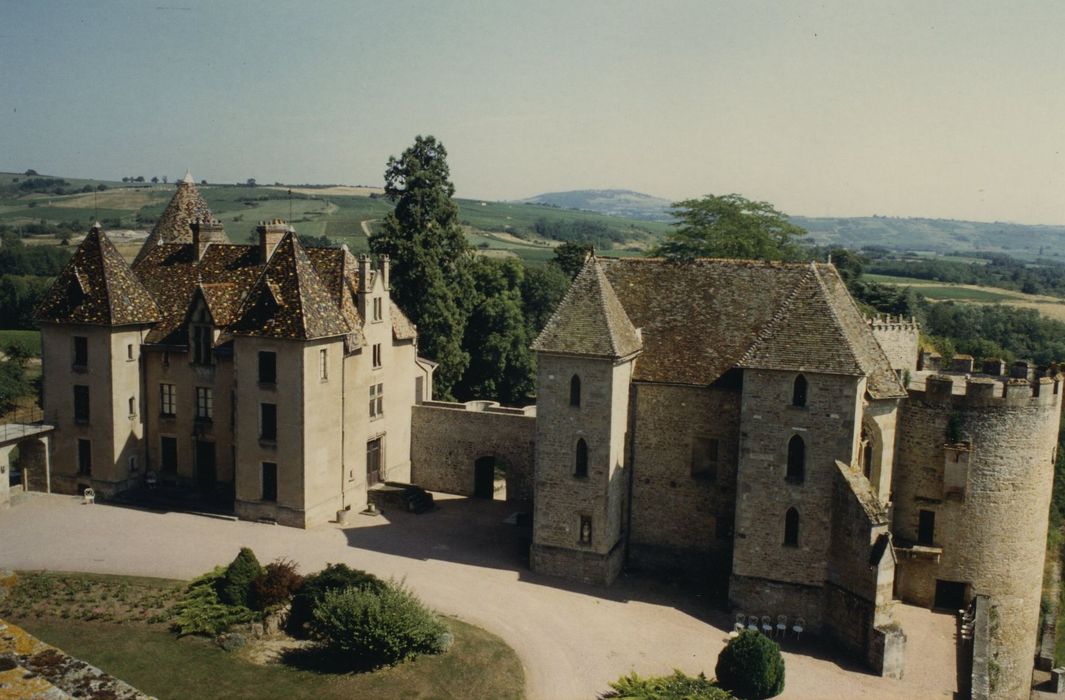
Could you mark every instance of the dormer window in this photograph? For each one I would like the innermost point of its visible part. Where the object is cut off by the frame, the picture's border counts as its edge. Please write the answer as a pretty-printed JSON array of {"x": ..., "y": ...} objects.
[{"x": 200, "y": 340}]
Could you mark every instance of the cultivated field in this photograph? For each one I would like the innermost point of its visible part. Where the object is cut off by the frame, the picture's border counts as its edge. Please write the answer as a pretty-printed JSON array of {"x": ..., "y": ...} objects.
[{"x": 1047, "y": 306}]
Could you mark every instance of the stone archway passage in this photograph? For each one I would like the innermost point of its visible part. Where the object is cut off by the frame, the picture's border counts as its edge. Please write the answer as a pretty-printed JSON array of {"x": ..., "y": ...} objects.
[{"x": 484, "y": 477}]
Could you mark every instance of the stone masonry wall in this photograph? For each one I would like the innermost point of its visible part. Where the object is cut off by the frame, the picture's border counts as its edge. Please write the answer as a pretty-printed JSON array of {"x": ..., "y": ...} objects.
[
  {"x": 447, "y": 438},
  {"x": 828, "y": 425},
  {"x": 900, "y": 339},
  {"x": 681, "y": 521},
  {"x": 992, "y": 533}
]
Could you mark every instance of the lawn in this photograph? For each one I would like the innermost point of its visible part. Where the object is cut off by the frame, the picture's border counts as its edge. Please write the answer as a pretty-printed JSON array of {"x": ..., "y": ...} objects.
[{"x": 115, "y": 623}]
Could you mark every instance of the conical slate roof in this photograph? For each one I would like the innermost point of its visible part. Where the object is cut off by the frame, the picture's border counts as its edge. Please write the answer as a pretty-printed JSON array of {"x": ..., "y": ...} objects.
[
  {"x": 590, "y": 320},
  {"x": 289, "y": 300},
  {"x": 97, "y": 287},
  {"x": 185, "y": 207}
]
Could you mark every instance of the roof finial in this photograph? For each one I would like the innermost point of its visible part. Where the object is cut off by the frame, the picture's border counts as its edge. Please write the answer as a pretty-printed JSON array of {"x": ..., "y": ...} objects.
[{"x": 188, "y": 178}]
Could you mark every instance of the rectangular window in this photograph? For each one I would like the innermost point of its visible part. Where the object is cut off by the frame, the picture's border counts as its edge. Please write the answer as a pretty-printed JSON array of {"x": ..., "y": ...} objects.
[
  {"x": 926, "y": 527},
  {"x": 165, "y": 359},
  {"x": 132, "y": 463},
  {"x": 267, "y": 367},
  {"x": 168, "y": 455},
  {"x": 373, "y": 462},
  {"x": 586, "y": 529},
  {"x": 269, "y": 481},
  {"x": 201, "y": 344},
  {"x": 705, "y": 458},
  {"x": 167, "y": 400},
  {"x": 268, "y": 421},
  {"x": 376, "y": 355},
  {"x": 81, "y": 403},
  {"x": 132, "y": 406},
  {"x": 129, "y": 351},
  {"x": 377, "y": 400},
  {"x": 81, "y": 351},
  {"x": 378, "y": 303},
  {"x": 323, "y": 364},
  {"x": 204, "y": 403},
  {"x": 84, "y": 457}
]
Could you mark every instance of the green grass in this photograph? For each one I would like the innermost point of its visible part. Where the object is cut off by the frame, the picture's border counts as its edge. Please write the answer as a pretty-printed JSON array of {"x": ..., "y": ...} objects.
[
  {"x": 479, "y": 665},
  {"x": 31, "y": 340},
  {"x": 940, "y": 291},
  {"x": 118, "y": 623}
]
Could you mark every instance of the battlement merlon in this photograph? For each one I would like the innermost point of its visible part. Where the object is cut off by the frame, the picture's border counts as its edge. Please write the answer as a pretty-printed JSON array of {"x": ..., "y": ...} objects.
[
  {"x": 894, "y": 323},
  {"x": 987, "y": 391}
]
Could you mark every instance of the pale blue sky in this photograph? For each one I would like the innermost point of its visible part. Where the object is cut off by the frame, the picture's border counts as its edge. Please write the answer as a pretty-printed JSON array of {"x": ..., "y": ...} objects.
[{"x": 939, "y": 109}]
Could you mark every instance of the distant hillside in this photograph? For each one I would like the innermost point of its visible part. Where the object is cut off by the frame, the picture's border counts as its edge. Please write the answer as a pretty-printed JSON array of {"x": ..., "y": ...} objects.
[
  {"x": 624, "y": 203},
  {"x": 937, "y": 235}
]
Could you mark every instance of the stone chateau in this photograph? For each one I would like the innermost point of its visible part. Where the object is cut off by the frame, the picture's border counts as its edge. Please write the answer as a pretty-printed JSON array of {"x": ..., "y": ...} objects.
[{"x": 735, "y": 421}]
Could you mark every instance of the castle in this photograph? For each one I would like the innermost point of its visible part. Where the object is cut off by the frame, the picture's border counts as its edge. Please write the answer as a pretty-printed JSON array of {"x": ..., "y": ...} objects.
[{"x": 740, "y": 422}]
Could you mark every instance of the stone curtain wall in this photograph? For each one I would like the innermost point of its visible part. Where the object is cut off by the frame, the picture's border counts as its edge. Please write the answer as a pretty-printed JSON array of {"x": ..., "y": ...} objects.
[
  {"x": 900, "y": 340},
  {"x": 675, "y": 515},
  {"x": 993, "y": 536},
  {"x": 447, "y": 438}
]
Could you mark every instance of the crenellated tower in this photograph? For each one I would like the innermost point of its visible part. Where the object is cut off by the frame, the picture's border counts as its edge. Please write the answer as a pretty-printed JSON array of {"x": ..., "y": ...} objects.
[{"x": 972, "y": 492}]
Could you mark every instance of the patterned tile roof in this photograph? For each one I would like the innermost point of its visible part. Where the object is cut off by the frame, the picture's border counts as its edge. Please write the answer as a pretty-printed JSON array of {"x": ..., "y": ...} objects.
[
  {"x": 289, "y": 300},
  {"x": 402, "y": 327},
  {"x": 186, "y": 206},
  {"x": 701, "y": 318},
  {"x": 338, "y": 271},
  {"x": 172, "y": 275},
  {"x": 97, "y": 287},
  {"x": 590, "y": 320}
]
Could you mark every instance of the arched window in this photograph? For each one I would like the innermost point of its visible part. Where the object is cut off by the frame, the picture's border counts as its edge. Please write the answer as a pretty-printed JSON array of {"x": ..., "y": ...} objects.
[
  {"x": 582, "y": 459},
  {"x": 575, "y": 391},
  {"x": 798, "y": 391},
  {"x": 867, "y": 453},
  {"x": 791, "y": 528},
  {"x": 796, "y": 459}
]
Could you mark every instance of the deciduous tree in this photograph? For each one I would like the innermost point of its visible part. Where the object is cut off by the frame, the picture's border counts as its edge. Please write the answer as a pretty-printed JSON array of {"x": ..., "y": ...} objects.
[{"x": 729, "y": 226}]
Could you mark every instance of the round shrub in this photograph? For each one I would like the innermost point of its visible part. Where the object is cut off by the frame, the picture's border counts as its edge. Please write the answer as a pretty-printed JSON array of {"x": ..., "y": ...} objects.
[
  {"x": 278, "y": 582},
  {"x": 751, "y": 667},
  {"x": 235, "y": 586},
  {"x": 370, "y": 628},
  {"x": 334, "y": 577}
]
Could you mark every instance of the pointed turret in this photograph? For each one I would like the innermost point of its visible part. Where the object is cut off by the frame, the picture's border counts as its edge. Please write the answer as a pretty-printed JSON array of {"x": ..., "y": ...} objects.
[
  {"x": 590, "y": 320},
  {"x": 97, "y": 287},
  {"x": 289, "y": 300},
  {"x": 175, "y": 223}
]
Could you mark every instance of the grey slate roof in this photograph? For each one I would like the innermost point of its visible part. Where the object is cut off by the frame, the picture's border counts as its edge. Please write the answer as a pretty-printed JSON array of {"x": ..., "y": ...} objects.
[
  {"x": 590, "y": 320},
  {"x": 701, "y": 318}
]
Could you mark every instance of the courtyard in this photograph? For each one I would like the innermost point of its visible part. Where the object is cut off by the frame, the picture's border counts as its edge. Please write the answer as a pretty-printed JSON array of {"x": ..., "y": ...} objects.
[{"x": 463, "y": 560}]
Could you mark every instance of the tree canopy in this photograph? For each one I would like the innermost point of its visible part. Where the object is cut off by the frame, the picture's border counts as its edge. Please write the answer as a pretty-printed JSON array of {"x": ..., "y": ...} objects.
[
  {"x": 729, "y": 226},
  {"x": 429, "y": 255}
]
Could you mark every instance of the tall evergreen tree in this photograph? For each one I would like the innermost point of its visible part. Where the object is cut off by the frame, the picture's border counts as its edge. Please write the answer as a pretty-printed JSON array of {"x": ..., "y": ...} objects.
[{"x": 429, "y": 255}]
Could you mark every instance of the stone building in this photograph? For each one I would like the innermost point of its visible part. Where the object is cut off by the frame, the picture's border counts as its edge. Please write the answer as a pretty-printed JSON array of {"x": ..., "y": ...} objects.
[
  {"x": 742, "y": 423},
  {"x": 279, "y": 377}
]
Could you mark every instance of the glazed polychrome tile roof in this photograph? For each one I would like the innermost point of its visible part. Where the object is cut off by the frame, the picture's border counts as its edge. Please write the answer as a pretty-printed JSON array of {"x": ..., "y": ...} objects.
[
  {"x": 289, "y": 300},
  {"x": 173, "y": 226},
  {"x": 701, "y": 318},
  {"x": 97, "y": 287}
]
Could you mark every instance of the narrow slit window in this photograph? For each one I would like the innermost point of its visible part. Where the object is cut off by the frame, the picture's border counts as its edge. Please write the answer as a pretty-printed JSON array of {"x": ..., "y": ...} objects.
[
  {"x": 796, "y": 460},
  {"x": 575, "y": 391},
  {"x": 581, "y": 467},
  {"x": 791, "y": 528},
  {"x": 798, "y": 391}
]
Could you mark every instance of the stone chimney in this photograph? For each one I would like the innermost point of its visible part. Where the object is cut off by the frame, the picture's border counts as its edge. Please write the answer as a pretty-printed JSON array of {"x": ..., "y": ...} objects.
[
  {"x": 364, "y": 273},
  {"x": 383, "y": 266},
  {"x": 270, "y": 234},
  {"x": 204, "y": 233}
]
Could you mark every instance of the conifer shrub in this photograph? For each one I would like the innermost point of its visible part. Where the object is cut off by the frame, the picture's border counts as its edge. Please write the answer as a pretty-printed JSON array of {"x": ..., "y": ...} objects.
[
  {"x": 751, "y": 667},
  {"x": 236, "y": 583},
  {"x": 333, "y": 577},
  {"x": 676, "y": 687},
  {"x": 279, "y": 581},
  {"x": 201, "y": 611},
  {"x": 373, "y": 627}
]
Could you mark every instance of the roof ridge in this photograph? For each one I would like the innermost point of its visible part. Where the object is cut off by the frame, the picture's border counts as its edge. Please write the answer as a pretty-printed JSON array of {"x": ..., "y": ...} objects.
[
  {"x": 766, "y": 331},
  {"x": 835, "y": 317},
  {"x": 603, "y": 301},
  {"x": 551, "y": 322}
]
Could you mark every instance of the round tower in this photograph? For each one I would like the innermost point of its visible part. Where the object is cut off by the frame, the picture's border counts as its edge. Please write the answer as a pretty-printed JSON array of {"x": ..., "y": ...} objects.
[{"x": 972, "y": 493}]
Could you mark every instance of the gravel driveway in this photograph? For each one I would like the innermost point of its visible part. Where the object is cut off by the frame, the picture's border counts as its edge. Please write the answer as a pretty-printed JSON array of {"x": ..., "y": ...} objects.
[{"x": 462, "y": 560}]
